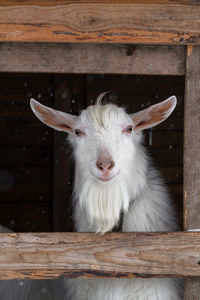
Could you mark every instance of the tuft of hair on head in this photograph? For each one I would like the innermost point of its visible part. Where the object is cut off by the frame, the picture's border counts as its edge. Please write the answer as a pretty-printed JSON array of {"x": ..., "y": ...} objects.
[
  {"x": 100, "y": 98},
  {"x": 101, "y": 106},
  {"x": 98, "y": 108}
]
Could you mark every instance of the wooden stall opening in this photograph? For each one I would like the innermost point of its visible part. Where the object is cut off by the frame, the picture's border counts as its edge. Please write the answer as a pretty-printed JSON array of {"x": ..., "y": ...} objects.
[
  {"x": 36, "y": 173},
  {"x": 98, "y": 37}
]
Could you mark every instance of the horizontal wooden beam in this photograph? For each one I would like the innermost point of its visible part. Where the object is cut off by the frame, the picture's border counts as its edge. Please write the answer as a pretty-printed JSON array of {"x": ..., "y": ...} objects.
[
  {"x": 87, "y": 255},
  {"x": 148, "y": 21},
  {"x": 92, "y": 58}
]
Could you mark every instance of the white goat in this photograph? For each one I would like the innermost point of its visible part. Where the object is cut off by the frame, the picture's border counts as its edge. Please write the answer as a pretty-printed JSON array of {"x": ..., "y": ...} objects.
[{"x": 114, "y": 175}]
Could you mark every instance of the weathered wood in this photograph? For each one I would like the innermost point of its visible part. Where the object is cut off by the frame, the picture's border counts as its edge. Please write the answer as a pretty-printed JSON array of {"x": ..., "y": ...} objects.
[
  {"x": 61, "y": 2},
  {"x": 96, "y": 21},
  {"x": 192, "y": 139},
  {"x": 91, "y": 58},
  {"x": 192, "y": 154},
  {"x": 87, "y": 255},
  {"x": 192, "y": 289}
]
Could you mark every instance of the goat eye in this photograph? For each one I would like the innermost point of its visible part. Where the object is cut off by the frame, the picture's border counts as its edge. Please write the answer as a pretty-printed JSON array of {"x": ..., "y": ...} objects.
[
  {"x": 128, "y": 129},
  {"x": 78, "y": 132}
]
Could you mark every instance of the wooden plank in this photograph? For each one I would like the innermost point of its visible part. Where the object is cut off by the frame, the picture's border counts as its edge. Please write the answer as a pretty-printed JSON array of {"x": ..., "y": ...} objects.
[
  {"x": 88, "y": 255},
  {"x": 91, "y": 58},
  {"x": 192, "y": 139},
  {"x": 172, "y": 22},
  {"x": 192, "y": 154},
  {"x": 53, "y": 2}
]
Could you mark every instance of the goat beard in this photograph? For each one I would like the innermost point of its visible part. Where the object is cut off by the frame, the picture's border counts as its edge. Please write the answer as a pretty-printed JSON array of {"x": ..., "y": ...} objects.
[{"x": 103, "y": 203}]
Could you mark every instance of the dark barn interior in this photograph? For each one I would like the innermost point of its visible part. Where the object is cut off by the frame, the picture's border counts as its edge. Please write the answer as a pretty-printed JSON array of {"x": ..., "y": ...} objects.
[{"x": 36, "y": 169}]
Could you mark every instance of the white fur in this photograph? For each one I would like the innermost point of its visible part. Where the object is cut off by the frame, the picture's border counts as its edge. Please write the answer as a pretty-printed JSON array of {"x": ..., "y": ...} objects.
[
  {"x": 124, "y": 289},
  {"x": 98, "y": 205},
  {"x": 103, "y": 215},
  {"x": 136, "y": 188}
]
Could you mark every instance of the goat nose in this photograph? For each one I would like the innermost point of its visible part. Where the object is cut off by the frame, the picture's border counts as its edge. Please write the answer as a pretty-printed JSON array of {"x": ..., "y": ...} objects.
[{"x": 105, "y": 165}]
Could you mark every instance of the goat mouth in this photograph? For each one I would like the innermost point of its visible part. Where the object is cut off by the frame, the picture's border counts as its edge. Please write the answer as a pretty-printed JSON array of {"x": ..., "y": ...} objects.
[{"x": 107, "y": 178}]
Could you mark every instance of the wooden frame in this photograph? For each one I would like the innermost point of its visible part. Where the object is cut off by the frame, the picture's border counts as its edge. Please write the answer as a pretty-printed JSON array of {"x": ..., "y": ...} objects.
[
  {"x": 110, "y": 21},
  {"x": 126, "y": 23},
  {"x": 92, "y": 58},
  {"x": 192, "y": 153},
  {"x": 87, "y": 255}
]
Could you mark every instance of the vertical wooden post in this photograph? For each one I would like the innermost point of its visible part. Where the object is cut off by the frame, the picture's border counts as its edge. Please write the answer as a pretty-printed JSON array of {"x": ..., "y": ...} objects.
[
  {"x": 62, "y": 163},
  {"x": 192, "y": 155}
]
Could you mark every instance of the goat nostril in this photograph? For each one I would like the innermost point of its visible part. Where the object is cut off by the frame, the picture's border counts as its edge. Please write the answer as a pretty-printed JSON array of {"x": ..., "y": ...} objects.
[
  {"x": 105, "y": 166},
  {"x": 99, "y": 165},
  {"x": 111, "y": 165}
]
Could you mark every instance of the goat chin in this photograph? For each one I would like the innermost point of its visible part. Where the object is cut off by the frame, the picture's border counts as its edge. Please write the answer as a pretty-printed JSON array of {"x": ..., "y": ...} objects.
[{"x": 103, "y": 203}]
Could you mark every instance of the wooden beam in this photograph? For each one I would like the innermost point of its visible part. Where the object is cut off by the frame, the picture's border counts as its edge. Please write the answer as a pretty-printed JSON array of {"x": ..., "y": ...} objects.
[
  {"x": 92, "y": 58},
  {"x": 88, "y": 255},
  {"x": 148, "y": 21},
  {"x": 192, "y": 139},
  {"x": 192, "y": 154}
]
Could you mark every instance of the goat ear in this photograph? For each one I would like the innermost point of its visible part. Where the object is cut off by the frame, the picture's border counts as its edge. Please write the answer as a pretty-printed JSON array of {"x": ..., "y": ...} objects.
[
  {"x": 56, "y": 119},
  {"x": 154, "y": 114}
]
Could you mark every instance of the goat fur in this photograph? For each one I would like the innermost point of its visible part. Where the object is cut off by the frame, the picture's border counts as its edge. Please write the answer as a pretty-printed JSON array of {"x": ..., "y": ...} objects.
[{"x": 136, "y": 189}]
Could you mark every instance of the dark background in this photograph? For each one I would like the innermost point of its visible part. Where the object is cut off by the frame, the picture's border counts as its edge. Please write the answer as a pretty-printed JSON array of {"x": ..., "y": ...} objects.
[{"x": 36, "y": 171}]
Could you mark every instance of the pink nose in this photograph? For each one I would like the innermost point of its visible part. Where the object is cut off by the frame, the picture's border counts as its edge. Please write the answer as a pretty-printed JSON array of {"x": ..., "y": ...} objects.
[{"x": 105, "y": 164}]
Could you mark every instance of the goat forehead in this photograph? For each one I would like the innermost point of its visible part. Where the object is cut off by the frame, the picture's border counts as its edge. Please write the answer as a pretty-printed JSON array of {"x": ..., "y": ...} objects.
[{"x": 104, "y": 116}]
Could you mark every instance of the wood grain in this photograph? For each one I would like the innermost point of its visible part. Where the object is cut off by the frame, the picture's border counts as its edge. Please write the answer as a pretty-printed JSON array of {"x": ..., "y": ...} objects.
[
  {"x": 169, "y": 22},
  {"x": 61, "y": 2},
  {"x": 192, "y": 140},
  {"x": 92, "y": 58},
  {"x": 192, "y": 154},
  {"x": 87, "y": 255}
]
